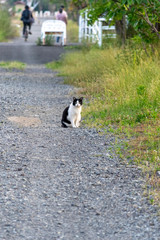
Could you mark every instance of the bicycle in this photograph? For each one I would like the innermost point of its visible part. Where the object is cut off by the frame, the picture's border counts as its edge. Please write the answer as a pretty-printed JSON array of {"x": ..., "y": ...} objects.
[{"x": 26, "y": 34}]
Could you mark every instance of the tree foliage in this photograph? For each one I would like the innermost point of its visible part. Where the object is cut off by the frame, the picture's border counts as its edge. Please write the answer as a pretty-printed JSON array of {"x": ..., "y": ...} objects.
[
  {"x": 142, "y": 15},
  {"x": 79, "y": 4}
]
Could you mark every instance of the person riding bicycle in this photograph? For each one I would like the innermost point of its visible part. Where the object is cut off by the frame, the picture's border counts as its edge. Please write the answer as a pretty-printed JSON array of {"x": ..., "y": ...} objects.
[{"x": 27, "y": 19}]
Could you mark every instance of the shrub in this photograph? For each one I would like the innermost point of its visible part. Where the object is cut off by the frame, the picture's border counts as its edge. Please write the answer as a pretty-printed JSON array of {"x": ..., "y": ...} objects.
[{"x": 6, "y": 29}]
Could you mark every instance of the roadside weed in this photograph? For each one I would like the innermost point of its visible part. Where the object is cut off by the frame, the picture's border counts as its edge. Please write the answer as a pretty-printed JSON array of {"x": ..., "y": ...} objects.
[
  {"x": 39, "y": 41},
  {"x": 49, "y": 40}
]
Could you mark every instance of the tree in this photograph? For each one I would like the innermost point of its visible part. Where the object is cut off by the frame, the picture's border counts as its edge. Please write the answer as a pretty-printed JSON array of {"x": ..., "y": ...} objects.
[
  {"x": 79, "y": 4},
  {"x": 142, "y": 15}
]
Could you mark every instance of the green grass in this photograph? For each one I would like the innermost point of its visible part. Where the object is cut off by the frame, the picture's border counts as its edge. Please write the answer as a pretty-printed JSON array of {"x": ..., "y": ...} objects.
[
  {"x": 122, "y": 89},
  {"x": 72, "y": 32},
  {"x": 12, "y": 65}
]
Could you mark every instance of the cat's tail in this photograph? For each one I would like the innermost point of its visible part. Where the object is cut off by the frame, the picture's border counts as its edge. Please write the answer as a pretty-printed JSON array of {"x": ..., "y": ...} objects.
[{"x": 63, "y": 124}]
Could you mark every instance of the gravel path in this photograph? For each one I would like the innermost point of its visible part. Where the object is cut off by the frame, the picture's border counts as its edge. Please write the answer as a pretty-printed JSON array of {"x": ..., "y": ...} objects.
[
  {"x": 58, "y": 183},
  {"x": 61, "y": 183}
]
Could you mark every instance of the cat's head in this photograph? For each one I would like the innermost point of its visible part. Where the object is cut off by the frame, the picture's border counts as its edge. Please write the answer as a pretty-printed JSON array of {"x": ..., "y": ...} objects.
[{"x": 77, "y": 102}]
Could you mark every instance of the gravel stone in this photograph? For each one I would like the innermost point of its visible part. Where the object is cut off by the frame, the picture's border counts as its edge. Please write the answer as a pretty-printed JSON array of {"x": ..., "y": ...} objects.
[{"x": 58, "y": 183}]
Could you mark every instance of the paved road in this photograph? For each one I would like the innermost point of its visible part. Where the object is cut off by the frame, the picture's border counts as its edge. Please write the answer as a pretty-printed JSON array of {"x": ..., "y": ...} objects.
[
  {"x": 29, "y": 52},
  {"x": 62, "y": 184}
]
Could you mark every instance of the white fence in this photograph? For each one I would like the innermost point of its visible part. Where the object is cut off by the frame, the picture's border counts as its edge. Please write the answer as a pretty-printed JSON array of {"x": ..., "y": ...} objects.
[{"x": 94, "y": 33}]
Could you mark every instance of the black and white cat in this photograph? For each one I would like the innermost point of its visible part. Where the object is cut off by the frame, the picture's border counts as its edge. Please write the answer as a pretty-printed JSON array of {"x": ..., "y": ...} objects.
[{"x": 72, "y": 113}]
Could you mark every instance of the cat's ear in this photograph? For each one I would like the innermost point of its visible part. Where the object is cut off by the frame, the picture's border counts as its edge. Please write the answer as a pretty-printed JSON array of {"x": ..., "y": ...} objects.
[
  {"x": 81, "y": 98},
  {"x": 74, "y": 98}
]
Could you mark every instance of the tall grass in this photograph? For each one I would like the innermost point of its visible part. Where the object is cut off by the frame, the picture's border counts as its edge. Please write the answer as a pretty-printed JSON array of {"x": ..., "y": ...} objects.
[
  {"x": 123, "y": 89},
  {"x": 125, "y": 85},
  {"x": 7, "y": 31},
  {"x": 72, "y": 32}
]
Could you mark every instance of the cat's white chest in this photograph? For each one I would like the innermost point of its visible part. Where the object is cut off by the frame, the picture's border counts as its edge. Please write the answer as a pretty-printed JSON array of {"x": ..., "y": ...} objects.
[{"x": 74, "y": 115}]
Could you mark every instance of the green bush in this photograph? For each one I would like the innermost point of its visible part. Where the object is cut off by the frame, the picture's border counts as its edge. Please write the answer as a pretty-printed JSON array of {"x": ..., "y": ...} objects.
[{"x": 6, "y": 29}]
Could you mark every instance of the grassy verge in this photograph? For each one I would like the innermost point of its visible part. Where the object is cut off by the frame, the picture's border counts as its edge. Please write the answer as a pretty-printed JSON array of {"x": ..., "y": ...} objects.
[
  {"x": 13, "y": 65},
  {"x": 122, "y": 87}
]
